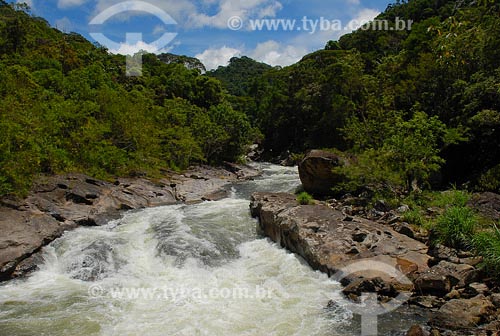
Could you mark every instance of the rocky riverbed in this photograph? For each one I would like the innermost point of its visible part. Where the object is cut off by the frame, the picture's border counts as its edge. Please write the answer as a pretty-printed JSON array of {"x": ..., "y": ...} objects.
[
  {"x": 60, "y": 203},
  {"x": 330, "y": 237}
]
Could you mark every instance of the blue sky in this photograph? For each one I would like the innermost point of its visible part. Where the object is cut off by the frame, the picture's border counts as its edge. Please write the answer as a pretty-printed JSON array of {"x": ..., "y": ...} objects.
[{"x": 202, "y": 30}]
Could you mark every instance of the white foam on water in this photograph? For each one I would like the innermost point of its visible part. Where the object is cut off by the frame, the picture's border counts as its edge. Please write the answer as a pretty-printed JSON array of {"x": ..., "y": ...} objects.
[{"x": 209, "y": 248}]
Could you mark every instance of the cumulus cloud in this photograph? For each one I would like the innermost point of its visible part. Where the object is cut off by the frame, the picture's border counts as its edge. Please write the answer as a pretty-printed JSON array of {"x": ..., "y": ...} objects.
[
  {"x": 213, "y": 58},
  {"x": 131, "y": 49},
  {"x": 270, "y": 52},
  {"x": 179, "y": 10},
  {"x": 364, "y": 16},
  {"x": 227, "y": 9},
  {"x": 275, "y": 53},
  {"x": 319, "y": 38}
]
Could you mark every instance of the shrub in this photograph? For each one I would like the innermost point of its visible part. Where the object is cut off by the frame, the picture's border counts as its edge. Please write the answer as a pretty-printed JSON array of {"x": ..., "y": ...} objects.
[
  {"x": 297, "y": 158},
  {"x": 304, "y": 198},
  {"x": 456, "y": 226},
  {"x": 487, "y": 245},
  {"x": 490, "y": 181}
]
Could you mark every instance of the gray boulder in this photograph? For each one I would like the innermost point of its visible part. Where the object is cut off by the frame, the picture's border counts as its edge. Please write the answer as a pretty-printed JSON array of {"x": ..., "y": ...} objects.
[{"x": 316, "y": 172}]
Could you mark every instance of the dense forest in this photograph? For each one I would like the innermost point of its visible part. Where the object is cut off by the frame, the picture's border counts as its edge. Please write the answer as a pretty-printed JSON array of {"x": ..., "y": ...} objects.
[
  {"x": 66, "y": 105},
  {"x": 416, "y": 108},
  {"x": 413, "y": 108}
]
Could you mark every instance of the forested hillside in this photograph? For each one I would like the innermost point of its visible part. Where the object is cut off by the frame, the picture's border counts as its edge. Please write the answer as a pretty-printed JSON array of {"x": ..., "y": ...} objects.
[
  {"x": 414, "y": 106},
  {"x": 66, "y": 105}
]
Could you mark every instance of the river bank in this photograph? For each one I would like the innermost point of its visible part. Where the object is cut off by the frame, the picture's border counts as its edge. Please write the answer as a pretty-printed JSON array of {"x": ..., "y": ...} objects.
[
  {"x": 449, "y": 283},
  {"x": 57, "y": 204}
]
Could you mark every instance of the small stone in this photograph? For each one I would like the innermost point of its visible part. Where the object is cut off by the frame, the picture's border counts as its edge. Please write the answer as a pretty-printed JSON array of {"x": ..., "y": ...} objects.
[
  {"x": 428, "y": 301},
  {"x": 495, "y": 299},
  {"x": 403, "y": 209},
  {"x": 381, "y": 206},
  {"x": 393, "y": 220},
  {"x": 404, "y": 229},
  {"x": 474, "y": 261},
  {"x": 465, "y": 254},
  {"x": 375, "y": 214},
  {"x": 441, "y": 252},
  {"x": 417, "y": 330},
  {"x": 440, "y": 279},
  {"x": 454, "y": 294},
  {"x": 477, "y": 288},
  {"x": 376, "y": 285}
]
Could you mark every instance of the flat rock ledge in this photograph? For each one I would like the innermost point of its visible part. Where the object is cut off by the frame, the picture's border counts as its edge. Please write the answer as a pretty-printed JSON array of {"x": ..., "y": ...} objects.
[
  {"x": 60, "y": 203},
  {"x": 330, "y": 240}
]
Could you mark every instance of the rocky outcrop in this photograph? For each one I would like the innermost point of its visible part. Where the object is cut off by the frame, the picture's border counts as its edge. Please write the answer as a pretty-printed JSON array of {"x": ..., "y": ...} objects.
[
  {"x": 316, "y": 172},
  {"x": 330, "y": 237},
  {"x": 463, "y": 314},
  {"x": 442, "y": 278},
  {"x": 60, "y": 203},
  {"x": 487, "y": 204},
  {"x": 23, "y": 233},
  {"x": 329, "y": 240}
]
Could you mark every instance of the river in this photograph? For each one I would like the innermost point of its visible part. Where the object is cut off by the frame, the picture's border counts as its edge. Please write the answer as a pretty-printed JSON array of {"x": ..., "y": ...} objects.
[{"x": 181, "y": 270}]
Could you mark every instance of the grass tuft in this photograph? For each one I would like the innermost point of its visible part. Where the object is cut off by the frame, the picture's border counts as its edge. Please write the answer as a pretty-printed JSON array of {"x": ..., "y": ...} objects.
[
  {"x": 304, "y": 198},
  {"x": 456, "y": 227},
  {"x": 414, "y": 217},
  {"x": 487, "y": 245}
]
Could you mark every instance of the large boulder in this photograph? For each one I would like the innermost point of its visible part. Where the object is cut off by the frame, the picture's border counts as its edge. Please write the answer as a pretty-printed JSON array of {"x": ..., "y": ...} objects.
[
  {"x": 329, "y": 240},
  {"x": 487, "y": 204},
  {"x": 316, "y": 172},
  {"x": 464, "y": 314},
  {"x": 23, "y": 233},
  {"x": 441, "y": 279}
]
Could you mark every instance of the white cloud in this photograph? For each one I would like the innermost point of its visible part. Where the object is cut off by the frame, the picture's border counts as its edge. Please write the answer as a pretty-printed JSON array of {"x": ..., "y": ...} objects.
[
  {"x": 227, "y": 9},
  {"x": 270, "y": 10},
  {"x": 70, "y": 3},
  {"x": 159, "y": 29},
  {"x": 318, "y": 39},
  {"x": 179, "y": 10},
  {"x": 364, "y": 16},
  {"x": 274, "y": 53},
  {"x": 131, "y": 49},
  {"x": 270, "y": 52},
  {"x": 191, "y": 12},
  {"x": 212, "y": 58}
]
